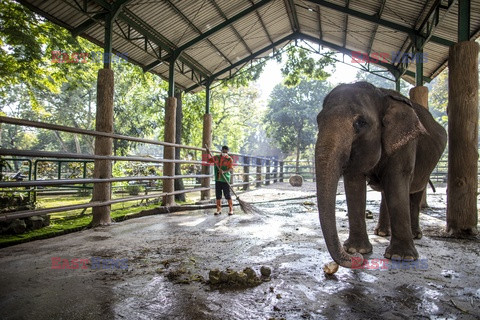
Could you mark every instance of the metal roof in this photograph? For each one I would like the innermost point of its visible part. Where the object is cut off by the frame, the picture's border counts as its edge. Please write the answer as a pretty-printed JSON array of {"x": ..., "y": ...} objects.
[{"x": 213, "y": 39}]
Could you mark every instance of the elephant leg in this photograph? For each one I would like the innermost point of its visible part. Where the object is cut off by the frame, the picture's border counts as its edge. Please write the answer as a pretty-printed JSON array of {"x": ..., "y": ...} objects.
[
  {"x": 383, "y": 226},
  {"x": 397, "y": 197},
  {"x": 356, "y": 190},
  {"x": 415, "y": 201}
]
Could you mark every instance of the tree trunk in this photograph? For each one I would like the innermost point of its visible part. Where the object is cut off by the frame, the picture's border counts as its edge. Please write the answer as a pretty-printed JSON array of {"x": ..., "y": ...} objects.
[
  {"x": 419, "y": 94},
  {"x": 169, "y": 152},
  {"x": 77, "y": 143},
  {"x": 462, "y": 215},
  {"x": 103, "y": 146},
  {"x": 178, "y": 184},
  {"x": 62, "y": 143}
]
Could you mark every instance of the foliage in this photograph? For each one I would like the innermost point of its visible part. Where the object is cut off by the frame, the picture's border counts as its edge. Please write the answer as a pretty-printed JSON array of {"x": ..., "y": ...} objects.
[
  {"x": 291, "y": 115},
  {"x": 438, "y": 97},
  {"x": 300, "y": 65}
]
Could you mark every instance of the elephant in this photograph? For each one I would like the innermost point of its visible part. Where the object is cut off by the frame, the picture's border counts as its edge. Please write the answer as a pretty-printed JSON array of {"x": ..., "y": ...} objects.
[{"x": 376, "y": 136}]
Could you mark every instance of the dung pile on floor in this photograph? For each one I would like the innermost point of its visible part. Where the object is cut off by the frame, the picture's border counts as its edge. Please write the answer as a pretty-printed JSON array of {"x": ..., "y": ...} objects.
[{"x": 231, "y": 279}]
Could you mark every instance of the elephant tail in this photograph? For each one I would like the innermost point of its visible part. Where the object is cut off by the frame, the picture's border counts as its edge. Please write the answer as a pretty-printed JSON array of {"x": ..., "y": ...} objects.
[{"x": 431, "y": 185}]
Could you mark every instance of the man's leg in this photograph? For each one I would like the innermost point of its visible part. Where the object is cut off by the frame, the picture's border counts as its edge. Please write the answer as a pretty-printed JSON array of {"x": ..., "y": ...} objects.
[
  {"x": 226, "y": 192},
  {"x": 218, "y": 196}
]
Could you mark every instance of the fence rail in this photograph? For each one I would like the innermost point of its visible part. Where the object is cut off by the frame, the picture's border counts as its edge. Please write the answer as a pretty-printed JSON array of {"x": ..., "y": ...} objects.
[{"x": 254, "y": 171}]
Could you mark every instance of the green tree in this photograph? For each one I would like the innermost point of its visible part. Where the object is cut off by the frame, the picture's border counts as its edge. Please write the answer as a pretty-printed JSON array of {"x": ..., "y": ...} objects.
[
  {"x": 302, "y": 64},
  {"x": 291, "y": 115}
]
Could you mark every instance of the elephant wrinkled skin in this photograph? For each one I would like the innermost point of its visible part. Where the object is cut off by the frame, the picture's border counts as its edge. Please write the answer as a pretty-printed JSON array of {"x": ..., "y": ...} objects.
[{"x": 374, "y": 135}]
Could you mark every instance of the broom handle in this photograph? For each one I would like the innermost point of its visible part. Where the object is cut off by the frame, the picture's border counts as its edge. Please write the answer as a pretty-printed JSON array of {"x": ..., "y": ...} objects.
[{"x": 218, "y": 168}]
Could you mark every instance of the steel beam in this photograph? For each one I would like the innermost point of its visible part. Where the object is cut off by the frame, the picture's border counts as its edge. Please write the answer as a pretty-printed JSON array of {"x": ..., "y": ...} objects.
[
  {"x": 88, "y": 24},
  {"x": 292, "y": 15},
  {"x": 375, "y": 19},
  {"x": 245, "y": 60},
  {"x": 463, "y": 20},
  {"x": 223, "y": 25}
]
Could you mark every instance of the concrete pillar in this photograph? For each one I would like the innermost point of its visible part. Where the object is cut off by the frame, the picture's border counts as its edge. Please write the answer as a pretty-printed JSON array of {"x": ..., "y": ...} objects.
[
  {"x": 462, "y": 214},
  {"x": 246, "y": 172},
  {"x": 259, "y": 173},
  {"x": 103, "y": 146},
  {"x": 169, "y": 152},
  {"x": 419, "y": 94},
  {"x": 207, "y": 140}
]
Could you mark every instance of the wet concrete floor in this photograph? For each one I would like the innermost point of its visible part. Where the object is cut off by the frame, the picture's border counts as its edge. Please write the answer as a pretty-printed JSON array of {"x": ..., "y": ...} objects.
[{"x": 169, "y": 258}]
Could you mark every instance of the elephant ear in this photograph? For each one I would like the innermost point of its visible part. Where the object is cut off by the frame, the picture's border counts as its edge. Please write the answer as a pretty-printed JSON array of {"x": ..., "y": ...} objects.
[{"x": 400, "y": 123}]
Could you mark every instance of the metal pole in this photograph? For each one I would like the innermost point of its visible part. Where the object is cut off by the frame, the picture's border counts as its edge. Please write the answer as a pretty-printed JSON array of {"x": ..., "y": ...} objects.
[{"x": 463, "y": 20}]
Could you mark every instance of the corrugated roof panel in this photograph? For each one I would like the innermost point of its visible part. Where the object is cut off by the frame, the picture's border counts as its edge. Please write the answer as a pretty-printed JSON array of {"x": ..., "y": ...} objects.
[
  {"x": 370, "y": 7},
  {"x": 277, "y": 24},
  {"x": 203, "y": 16},
  {"x": 168, "y": 26},
  {"x": 308, "y": 19},
  {"x": 405, "y": 13},
  {"x": 333, "y": 25},
  {"x": 231, "y": 8},
  {"x": 163, "y": 19},
  {"x": 359, "y": 33}
]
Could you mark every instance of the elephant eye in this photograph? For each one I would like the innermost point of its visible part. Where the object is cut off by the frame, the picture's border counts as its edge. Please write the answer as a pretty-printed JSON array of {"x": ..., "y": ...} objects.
[{"x": 359, "y": 124}]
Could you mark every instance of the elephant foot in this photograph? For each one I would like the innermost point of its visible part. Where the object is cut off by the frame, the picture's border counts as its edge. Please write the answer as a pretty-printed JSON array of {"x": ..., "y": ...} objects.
[
  {"x": 417, "y": 234},
  {"x": 362, "y": 247},
  {"x": 405, "y": 252},
  {"x": 382, "y": 232}
]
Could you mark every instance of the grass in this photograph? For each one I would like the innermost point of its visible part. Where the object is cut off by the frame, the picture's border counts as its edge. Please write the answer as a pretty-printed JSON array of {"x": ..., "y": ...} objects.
[{"x": 74, "y": 220}]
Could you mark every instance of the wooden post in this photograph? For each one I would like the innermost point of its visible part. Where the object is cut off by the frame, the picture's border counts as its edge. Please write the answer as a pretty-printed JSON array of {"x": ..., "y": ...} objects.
[
  {"x": 275, "y": 171},
  {"x": 103, "y": 146},
  {"x": 246, "y": 171},
  {"x": 419, "y": 94},
  {"x": 259, "y": 173},
  {"x": 462, "y": 214},
  {"x": 267, "y": 172},
  {"x": 281, "y": 171},
  {"x": 207, "y": 140},
  {"x": 178, "y": 183},
  {"x": 169, "y": 152}
]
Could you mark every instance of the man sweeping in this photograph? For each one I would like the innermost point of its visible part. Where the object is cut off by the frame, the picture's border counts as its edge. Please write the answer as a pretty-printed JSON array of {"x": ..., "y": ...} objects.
[{"x": 223, "y": 169}]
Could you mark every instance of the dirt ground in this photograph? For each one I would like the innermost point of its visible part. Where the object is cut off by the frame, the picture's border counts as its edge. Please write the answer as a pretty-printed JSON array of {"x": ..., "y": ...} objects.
[{"x": 169, "y": 258}]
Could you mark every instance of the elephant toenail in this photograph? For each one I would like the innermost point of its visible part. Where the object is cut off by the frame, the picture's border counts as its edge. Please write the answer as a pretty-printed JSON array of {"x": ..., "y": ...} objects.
[
  {"x": 387, "y": 255},
  {"x": 396, "y": 257},
  {"x": 409, "y": 258},
  {"x": 352, "y": 250}
]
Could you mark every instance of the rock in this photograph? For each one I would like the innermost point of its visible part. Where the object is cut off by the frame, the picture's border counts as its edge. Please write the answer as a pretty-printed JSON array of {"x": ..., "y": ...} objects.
[
  {"x": 265, "y": 271},
  {"x": 296, "y": 180},
  {"x": 34, "y": 223},
  {"x": 17, "y": 226},
  {"x": 46, "y": 220}
]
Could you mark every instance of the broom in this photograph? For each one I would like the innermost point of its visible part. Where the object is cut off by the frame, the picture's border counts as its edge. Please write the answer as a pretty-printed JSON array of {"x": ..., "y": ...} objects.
[{"x": 245, "y": 206}]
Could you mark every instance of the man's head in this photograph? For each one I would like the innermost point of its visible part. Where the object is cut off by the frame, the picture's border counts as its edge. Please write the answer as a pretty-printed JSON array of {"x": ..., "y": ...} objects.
[{"x": 224, "y": 150}]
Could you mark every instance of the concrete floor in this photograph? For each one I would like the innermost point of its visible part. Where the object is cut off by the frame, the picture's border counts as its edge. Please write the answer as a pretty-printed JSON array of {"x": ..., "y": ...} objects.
[{"x": 169, "y": 258}]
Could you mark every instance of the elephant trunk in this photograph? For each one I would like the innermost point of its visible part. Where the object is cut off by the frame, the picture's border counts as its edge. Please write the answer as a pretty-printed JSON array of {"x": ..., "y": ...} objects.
[{"x": 332, "y": 154}]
